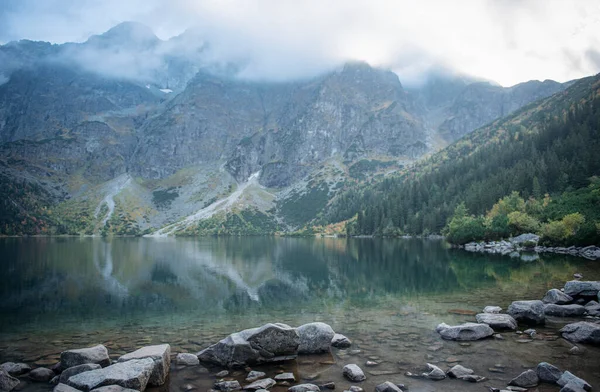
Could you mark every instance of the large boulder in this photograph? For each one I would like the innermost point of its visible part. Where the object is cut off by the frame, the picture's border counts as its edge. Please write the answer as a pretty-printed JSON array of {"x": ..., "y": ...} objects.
[
  {"x": 528, "y": 312},
  {"x": 467, "y": 331},
  {"x": 314, "y": 338},
  {"x": 548, "y": 373},
  {"x": 353, "y": 373},
  {"x": 86, "y": 367},
  {"x": 340, "y": 341},
  {"x": 15, "y": 369},
  {"x": 160, "y": 354},
  {"x": 97, "y": 354},
  {"x": 7, "y": 382},
  {"x": 555, "y": 296},
  {"x": 527, "y": 379},
  {"x": 582, "y": 288},
  {"x": 133, "y": 374},
  {"x": 582, "y": 332},
  {"x": 569, "y": 378},
  {"x": 564, "y": 310},
  {"x": 497, "y": 321},
  {"x": 269, "y": 343}
]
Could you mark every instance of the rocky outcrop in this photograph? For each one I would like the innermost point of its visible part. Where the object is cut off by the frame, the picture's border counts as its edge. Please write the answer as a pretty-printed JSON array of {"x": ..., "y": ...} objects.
[
  {"x": 133, "y": 374},
  {"x": 555, "y": 296},
  {"x": 528, "y": 312},
  {"x": 96, "y": 354},
  {"x": 269, "y": 343},
  {"x": 497, "y": 321},
  {"x": 467, "y": 331},
  {"x": 582, "y": 332},
  {"x": 572, "y": 310},
  {"x": 315, "y": 338},
  {"x": 160, "y": 354}
]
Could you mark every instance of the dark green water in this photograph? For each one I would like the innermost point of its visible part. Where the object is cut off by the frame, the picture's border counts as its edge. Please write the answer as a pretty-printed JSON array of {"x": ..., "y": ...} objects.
[{"x": 386, "y": 295}]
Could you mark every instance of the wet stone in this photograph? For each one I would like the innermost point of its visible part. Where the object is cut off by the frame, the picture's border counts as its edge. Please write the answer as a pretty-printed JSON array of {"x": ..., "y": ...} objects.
[
  {"x": 41, "y": 375},
  {"x": 228, "y": 386},
  {"x": 527, "y": 379},
  {"x": 353, "y": 373},
  {"x": 435, "y": 373},
  {"x": 261, "y": 384},
  {"x": 304, "y": 388},
  {"x": 222, "y": 373},
  {"x": 548, "y": 373},
  {"x": 327, "y": 385},
  {"x": 285, "y": 377},
  {"x": 387, "y": 387},
  {"x": 255, "y": 375}
]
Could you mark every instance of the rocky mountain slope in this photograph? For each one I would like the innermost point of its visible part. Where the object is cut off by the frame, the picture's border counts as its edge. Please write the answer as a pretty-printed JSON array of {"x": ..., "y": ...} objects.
[{"x": 128, "y": 134}]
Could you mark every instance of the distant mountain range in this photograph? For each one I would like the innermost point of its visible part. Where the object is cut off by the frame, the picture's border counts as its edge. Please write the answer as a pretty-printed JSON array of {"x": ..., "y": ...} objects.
[{"x": 127, "y": 134}]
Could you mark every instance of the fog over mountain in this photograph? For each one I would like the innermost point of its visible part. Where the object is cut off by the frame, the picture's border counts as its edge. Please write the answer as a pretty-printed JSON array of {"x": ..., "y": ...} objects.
[{"x": 508, "y": 42}]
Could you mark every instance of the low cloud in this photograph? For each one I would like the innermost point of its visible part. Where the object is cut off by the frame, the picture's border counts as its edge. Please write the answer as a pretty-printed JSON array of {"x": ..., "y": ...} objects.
[{"x": 506, "y": 41}]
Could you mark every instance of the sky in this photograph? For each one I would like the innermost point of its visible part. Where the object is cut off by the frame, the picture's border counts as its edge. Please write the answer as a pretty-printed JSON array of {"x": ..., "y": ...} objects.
[{"x": 508, "y": 41}]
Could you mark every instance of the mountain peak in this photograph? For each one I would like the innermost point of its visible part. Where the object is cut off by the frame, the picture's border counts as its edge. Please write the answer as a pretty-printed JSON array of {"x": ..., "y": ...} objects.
[{"x": 127, "y": 33}]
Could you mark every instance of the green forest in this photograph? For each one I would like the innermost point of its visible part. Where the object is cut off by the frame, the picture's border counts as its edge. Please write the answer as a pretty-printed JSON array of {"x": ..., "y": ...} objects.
[{"x": 549, "y": 148}]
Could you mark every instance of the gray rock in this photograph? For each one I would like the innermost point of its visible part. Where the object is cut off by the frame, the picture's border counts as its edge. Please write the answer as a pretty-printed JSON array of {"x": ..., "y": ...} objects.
[
  {"x": 435, "y": 373},
  {"x": 261, "y": 384},
  {"x": 572, "y": 387},
  {"x": 353, "y": 373},
  {"x": 555, "y": 296},
  {"x": 516, "y": 389},
  {"x": 41, "y": 374},
  {"x": 269, "y": 343},
  {"x": 569, "y": 378},
  {"x": 340, "y": 341},
  {"x": 355, "y": 388},
  {"x": 582, "y": 288},
  {"x": 113, "y": 388},
  {"x": 529, "y": 312},
  {"x": 55, "y": 380},
  {"x": 7, "y": 382},
  {"x": 187, "y": 359},
  {"x": 65, "y": 388},
  {"x": 314, "y": 338},
  {"x": 285, "y": 377},
  {"x": 527, "y": 379},
  {"x": 160, "y": 354},
  {"x": 458, "y": 371},
  {"x": 222, "y": 373},
  {"x": 467, "y": 331},
  {"x": 529, "y": 237},
  {"x": 492, "y": 309},
  {"x": 255, "y": 375},
  {"x": 582, "y": 332},
  {"x": 387, "y": 387},
  {"x": 96, "y": 354},
  {"x": 228, "y": 386},
  {"x": 564, "y": 310},
  {"x": 15, "y": 369},
  {"x": 67, "y": 373},
  {"x": 472, "y": 378},
  {"x": 547, "y": 372},
  {"x": 497, "y": 321},
  {"x": 133, "y": 374},
  {"x": 327, "y": 385},
  {"x": 304, "y": 388}
]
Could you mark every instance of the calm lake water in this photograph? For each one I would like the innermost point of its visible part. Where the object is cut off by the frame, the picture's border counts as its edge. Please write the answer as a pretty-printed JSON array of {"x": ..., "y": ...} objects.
[{"x": 387, "y": 296}]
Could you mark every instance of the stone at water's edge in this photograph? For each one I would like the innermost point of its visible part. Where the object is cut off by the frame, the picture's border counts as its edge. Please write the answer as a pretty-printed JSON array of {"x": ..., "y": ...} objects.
[
  {"x": 41, "y": 374},
  {"x": 187, "y": 359},
  {"x": 133, "y": 374},
  {"x": 269, "y": 343},
  {"x": 529, "y": 312},
  {"x": 96, "y": 354},
  {"x": 582, "y": 332},
  {"x": 467, "y": 331},
  {"x": 314, "y": 338},
  {"x": 582, "y": 288},
  {"x": 564, "y": 310},
  {"x": 15, "y": 369},
  {"x": 497, "y": 321},
  {"x": 67, "y": 373},
  {"x": 458, "y": 371},
  {"x": 353, "y": 373},
  {"x": 547, "y": 372},
  {"x": 65, "y": 388},
  {"x": 7, "y": 382},
  {"x": 255, "y": 375},
  {"x": 555, "y": 296},
  {"x": 492, "y": 309},
  {"x": 387, "y": 387},
  {"x": 113, "y": 388},
  {"x": 569, "y": 378},
  {"x": 285, "y": 377},
  {"x": 261, "y": 384},
  {"x": 435, "y": 373},
  {"x": 527, "y": 379},
  {"x": 160, "y": 354},
  {"x": 304, "y": 388},
  {"x": 340, "y": 341},
  {"x": 228, "y": 386}
]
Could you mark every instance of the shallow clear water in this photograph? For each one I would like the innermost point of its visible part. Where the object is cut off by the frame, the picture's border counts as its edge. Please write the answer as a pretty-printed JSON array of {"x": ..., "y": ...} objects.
[{"x": 385, "y": 295}]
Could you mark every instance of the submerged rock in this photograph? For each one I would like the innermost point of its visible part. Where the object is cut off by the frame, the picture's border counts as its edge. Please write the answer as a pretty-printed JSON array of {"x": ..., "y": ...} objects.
[
  {"x": 467, "y": 331},
  {"x": 228, "y": 386},
  {"x": 340, "y": 341},
  {"x": 315, "y": 338},
  {"x": 555, "y": 296},
  {"x": 15, "y": 369},
  {"x": 67, "y": 373},
  {"x": 160, "y": 354},
  {"x": 96, "y": 354},
  {"x": 7, "y": 382},
  {"x": 269, "y": 343},
  {"x": 527, "y": 379},
  {"x": 582, "y": 332},
  {"x": 133, "y": 374},
  {"x": 529, "y": 312},
  {"x": 458, "y": 371},
  {"x": 497, "y": 321},
  {"x": 187, "y": 359},
  {"x": 435, "y": 373},
  {"x": 353, "y": 373},
  {"x": 41, "y": 374},
  {"x": 548, "y": 373},
  {"x": 564, "y": 310},
  {"x": 492, "y": 309},
  {"x": 304, "y": 388}
]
